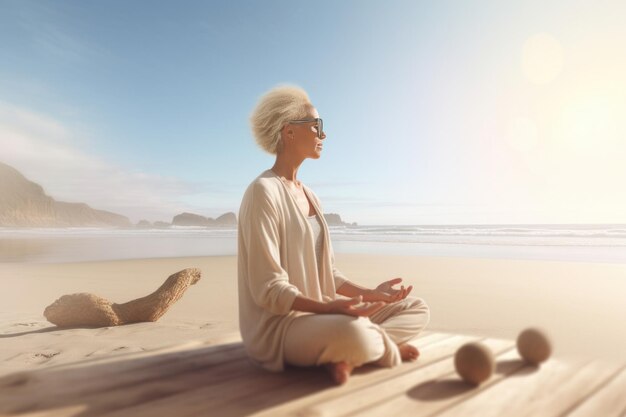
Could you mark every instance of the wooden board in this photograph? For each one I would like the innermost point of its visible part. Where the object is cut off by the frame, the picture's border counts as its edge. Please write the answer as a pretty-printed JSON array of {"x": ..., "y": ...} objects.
[{"x": 215, "y": 378}]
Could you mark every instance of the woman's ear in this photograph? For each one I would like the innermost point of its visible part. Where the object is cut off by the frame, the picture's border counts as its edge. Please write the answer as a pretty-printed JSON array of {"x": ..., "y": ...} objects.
[
  {"x": 287, "y": 132},
  {"x": 286, "y": 135}
]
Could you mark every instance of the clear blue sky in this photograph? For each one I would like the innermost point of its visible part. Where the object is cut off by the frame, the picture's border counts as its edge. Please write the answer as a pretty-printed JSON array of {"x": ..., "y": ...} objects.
[{"x": 436, "y": 112}]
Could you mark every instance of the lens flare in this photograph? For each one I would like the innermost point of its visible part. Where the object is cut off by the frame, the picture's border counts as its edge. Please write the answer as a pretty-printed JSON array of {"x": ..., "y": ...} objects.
[{"x": 542, "y": 58}]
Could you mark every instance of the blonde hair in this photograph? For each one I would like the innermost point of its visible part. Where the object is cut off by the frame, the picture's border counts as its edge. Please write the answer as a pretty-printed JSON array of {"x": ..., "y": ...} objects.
[{"x": 274, "y": 109}]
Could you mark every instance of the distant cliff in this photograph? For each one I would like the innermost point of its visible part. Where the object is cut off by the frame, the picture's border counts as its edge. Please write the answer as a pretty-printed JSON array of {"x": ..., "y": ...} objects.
[
  {"x": 24, "y": 203},
  {"x": 335, "y": 220},
  {"x": 230, "y": 219},
  {"x": 191, "y": 219}
]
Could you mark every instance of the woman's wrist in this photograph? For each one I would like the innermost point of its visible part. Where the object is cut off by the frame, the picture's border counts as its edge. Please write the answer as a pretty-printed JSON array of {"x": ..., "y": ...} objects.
[
  {"x": 368, "y": 295},
  {"x": 301, "y": 303},
  {"x": 350, "y": 289}
]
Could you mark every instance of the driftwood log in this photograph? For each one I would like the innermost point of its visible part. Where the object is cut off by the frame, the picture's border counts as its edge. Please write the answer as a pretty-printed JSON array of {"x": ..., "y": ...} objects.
[{"x": 84, "y": 309}]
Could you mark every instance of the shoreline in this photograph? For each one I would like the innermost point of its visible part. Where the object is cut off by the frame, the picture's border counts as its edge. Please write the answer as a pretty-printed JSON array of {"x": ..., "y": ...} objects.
[
  {"x": 569, "y": 243},
  {"x": 73, "y": 249}
]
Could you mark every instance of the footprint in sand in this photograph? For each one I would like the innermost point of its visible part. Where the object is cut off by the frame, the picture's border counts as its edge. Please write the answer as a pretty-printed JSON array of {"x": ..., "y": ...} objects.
[
  {"x": 31, "y": 324},
  {"x": 40, "y": 357}
]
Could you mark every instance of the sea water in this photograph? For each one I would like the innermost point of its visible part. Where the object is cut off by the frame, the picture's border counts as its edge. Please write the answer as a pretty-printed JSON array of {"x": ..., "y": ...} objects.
[{"x": 587, "y": 243}]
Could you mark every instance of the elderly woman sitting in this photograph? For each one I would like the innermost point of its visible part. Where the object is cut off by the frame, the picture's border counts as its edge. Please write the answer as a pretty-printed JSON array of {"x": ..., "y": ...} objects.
[{"x": 295, "y": 306}]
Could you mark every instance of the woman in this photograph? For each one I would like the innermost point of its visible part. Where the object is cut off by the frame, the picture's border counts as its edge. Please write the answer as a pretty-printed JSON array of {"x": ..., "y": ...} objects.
[{"x": 295, "y": 307}]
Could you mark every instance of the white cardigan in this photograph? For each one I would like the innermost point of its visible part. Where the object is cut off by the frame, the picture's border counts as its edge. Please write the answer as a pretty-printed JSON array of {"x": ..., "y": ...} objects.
[{"x": 276, "y": 262}]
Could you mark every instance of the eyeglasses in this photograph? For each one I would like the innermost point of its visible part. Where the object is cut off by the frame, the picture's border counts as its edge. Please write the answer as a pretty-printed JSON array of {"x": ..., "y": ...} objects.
[{"x": 319, "y": 125}]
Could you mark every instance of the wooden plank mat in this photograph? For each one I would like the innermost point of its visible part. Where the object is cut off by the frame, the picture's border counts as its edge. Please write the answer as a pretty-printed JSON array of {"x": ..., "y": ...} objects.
[
  {"x": 260, "y": 390},
  {"x": 215, "y": 378},
  {"x": 608, "y": 401}
]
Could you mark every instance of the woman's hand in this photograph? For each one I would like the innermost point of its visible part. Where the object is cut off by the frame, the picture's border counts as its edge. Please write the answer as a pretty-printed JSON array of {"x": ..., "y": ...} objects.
[
  {"x": 353, "y": 307},
  {"x": 385, "y": 292}
]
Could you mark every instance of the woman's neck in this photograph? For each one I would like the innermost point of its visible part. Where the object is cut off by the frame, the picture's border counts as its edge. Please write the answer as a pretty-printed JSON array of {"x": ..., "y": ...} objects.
[{"x": 286, "y": 169}]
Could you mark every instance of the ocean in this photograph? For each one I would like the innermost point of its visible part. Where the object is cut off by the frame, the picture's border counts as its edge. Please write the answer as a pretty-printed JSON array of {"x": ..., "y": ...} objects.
[
  {"x": 585, "y": 243},
  {"x": 588, "y": 243}
]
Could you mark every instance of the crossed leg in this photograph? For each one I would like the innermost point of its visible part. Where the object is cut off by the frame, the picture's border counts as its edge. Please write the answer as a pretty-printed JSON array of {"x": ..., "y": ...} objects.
[{"x": 342, "y": 343}]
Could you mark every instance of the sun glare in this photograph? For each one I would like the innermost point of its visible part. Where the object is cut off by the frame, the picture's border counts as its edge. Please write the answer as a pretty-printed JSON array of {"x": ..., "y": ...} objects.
[
  {"x": 522, "y": 134},
  {"x": 542, "y": 58},
  {"x": 590, "y": 122}
]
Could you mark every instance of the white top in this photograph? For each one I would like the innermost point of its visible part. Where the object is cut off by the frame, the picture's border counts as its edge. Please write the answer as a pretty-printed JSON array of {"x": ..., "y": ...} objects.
[
  {"x": 318, "y": 238},
  {"x": 279, "y": 257}
]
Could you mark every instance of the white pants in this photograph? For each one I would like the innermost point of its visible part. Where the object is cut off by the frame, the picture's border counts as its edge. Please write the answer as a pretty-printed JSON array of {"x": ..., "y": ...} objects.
[{"x": 315, "y": 339}]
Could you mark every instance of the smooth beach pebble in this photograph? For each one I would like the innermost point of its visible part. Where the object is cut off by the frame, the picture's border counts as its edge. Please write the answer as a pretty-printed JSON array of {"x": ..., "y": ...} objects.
[
  {"x": 474, "y": 362},
  {"x": 534, "y": 346}
]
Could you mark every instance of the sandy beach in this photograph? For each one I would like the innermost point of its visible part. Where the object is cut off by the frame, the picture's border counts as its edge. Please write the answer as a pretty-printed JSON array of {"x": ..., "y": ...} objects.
[{"x": 580, "y": 304}]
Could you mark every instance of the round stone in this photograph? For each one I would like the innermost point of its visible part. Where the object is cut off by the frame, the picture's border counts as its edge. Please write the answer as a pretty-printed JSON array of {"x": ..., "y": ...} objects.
[
  {"x": 534, "y": 346},
  {"x": 474, "y": 362}
]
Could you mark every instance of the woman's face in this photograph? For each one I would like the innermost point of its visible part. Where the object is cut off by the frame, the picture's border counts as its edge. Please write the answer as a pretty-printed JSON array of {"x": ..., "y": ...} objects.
[{"x": 305, "y": 141}]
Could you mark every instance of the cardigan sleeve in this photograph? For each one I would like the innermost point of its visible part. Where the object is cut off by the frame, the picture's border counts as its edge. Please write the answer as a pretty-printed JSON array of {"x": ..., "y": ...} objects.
[
  {"x": 267, "y": 280},
  {"x": 338, "y": 276}
]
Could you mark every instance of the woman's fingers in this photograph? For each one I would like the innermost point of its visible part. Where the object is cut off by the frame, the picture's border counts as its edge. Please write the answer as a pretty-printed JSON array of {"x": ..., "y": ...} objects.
[
  {"x": 356, "y": 307},
  {"x": 366, "y": 309},
  {"x": 408, "y": 291},
  {"x": 402, "y": 293},
  {"x": 369, "y": 308},
  {"x": 353, "y": 301},
  {"x": 344, "y": 305},
  {"x": 389, "y": 284},
  {"x": 398, "y": 294}
]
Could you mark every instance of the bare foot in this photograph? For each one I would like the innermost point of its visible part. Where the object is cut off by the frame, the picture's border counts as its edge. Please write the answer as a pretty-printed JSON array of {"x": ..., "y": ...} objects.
[
  {"x": 408, "y": 352},
  {"x": 339, "y": 372}
]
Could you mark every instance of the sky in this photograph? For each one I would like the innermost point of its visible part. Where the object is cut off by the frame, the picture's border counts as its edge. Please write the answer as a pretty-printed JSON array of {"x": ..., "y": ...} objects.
[{"x": 447, "y": 112}]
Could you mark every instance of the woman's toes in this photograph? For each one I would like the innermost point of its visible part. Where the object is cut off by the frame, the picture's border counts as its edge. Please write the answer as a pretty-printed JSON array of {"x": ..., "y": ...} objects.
[
  {"x": 408, "y": 352},
  {"x": 340, "y": 372}
]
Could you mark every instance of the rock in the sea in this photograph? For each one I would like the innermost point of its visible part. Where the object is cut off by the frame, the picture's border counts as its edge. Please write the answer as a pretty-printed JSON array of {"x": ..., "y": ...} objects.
[
  {"x": 227, "y": 219},
  {"x": 89, "y": 310},
  {"x": 161, "y": 225},
  {"x": 333, "y": 219},
  {"x": 144, "y": 224},
  {"x": 190, "y": 219}
]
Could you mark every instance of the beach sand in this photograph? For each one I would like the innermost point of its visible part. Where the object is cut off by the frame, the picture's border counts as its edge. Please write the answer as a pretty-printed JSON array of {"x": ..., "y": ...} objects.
[{"x": 580, "y": 304}]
